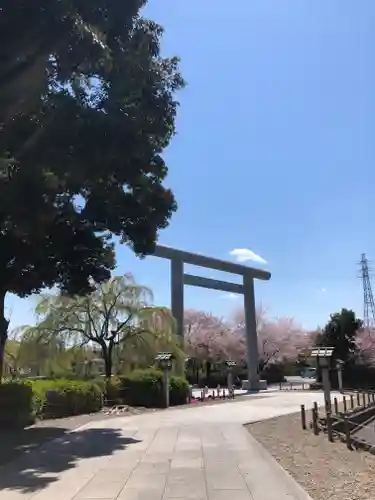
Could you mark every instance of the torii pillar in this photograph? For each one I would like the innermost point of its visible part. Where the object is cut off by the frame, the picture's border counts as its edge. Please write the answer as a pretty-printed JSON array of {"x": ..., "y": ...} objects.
[{"x": 249, "y": 274}]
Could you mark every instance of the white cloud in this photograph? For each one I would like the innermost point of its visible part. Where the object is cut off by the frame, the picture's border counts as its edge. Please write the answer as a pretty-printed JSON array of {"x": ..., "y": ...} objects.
[
  {"x": 244, "y": 254},
  {"x": 323, "y": 290},
  {"x": 230, "y": 296}
]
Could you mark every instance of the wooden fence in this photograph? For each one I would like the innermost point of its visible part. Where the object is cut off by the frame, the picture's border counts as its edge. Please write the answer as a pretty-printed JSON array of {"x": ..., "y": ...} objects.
[{"x": 352, "y": 420}]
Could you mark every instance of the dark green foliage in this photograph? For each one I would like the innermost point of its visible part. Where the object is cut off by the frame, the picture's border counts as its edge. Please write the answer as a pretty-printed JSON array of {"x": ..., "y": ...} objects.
[
  {"x": 340, "y": 333},
  {"x": 111, "y": 389},
  {"x": 62, "y": 398},
  {"x": 145, "y": 388},
  {"x": 16, "y": 405},
  {"x": 67, "y": 398},
  {"x": 215, "y": 379},
  {"x": 273, "y": 373},
  {"x": 21, "y": 403},
  {"x": 355, "y": 377},
  {"x": 179, "y": 390},
  {"x": 86, "y": 109}
]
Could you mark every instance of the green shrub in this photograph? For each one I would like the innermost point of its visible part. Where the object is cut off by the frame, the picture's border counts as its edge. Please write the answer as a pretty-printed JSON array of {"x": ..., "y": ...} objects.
[
  {"x": 273, "y": 373},
  {"x": 355, "y": 377},
  {"x": 179, "y": 390},
  {"x": 112, "y": 390},
  {"x": 62, "y": 398},
  {"x": 16, "y": 405},
  {"x": 145, "y": 388},
  {"x": 22, "y": 402},
  {"x": 213, "y": 380}
]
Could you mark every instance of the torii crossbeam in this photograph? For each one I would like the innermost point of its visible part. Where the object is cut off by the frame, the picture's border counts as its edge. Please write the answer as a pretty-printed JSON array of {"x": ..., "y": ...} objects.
[{"x": 180, "y": 257}]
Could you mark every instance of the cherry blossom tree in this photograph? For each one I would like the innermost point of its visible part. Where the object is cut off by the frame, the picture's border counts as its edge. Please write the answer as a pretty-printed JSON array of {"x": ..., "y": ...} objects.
[
  {"x": 278, "y": 339},
  {"x": 210, "y": 339},
  {"x": 365, "y": 342}
]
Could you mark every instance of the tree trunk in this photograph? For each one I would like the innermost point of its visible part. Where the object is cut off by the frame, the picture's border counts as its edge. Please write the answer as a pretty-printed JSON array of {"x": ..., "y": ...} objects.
[
  {"x": 107, "y": 357},
  {"x": 208, "y": 369},
  {"x": 4, "y": 323},
  {"x": 107, "y": 351}
]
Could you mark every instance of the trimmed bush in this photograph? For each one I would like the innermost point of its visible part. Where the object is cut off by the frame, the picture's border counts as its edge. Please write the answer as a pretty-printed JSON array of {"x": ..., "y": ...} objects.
[
  {"x": 213, "y": 380},
  {"x": 145, "y": 388},
  {"x": 112, "y": 390},
  {"x": 17, "y": 405},
  {"x": 355, "y": 377},
  {"x": 65, "y": 398},
  {"x": 273, "y": 373},
  {"x": 179, "y": 390},
  {"x": 21, "y": 402}
]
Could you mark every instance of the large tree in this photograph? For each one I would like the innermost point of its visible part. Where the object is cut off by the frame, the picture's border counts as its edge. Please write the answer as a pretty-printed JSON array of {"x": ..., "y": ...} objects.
[
  {"x": 341, "y": 333},
  {"x": 209, "y": 339},
  {"x": 116, "y": 314},
  {"x": 87, "y": 108},
  {"x": 279, "y": 339}
]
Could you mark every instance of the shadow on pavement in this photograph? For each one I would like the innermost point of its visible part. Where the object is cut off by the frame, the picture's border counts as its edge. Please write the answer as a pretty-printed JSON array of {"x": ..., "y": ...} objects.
[
  {"x": 16, "y": 442},
  {"x": 35, "y": 471}
]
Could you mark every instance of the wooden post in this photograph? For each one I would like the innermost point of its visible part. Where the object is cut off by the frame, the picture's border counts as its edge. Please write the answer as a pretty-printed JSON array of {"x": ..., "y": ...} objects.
[
  {"x": 368, "y": 399},
  {"x": 358, "y": 401},
  {"x": 315, "y": 419},
  {"x": 336, "y": 405},
  {"x": 316, "y": 409},
  {"x": 351, "y": 401},
  {"x": 329, "y": 426},
  {"x": 344, "y": 403},
  {"x": 347, "y": 433},
  {"x": 315, "y": 422},
  {"x": 364, "y": 399},
  {"x": 280, "y": 386},
  {"x": 303, "y": 417}
]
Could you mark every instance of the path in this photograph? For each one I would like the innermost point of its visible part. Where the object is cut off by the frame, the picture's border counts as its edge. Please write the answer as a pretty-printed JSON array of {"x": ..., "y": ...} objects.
[{"x": 200, "y": 453}]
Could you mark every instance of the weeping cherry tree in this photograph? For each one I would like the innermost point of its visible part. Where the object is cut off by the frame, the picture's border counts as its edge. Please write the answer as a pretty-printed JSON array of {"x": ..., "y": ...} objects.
[{"x": 117, "y": 314}]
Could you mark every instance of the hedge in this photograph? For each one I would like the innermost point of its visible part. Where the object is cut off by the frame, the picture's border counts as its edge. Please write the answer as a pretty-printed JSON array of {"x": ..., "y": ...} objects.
[
  {"x": 273, "y": 373},
  {"x": 17, "y": 405},
  {"x": 355, "y": 377},
  {"x": 145, "y": 388},
  {"x": 64, "y": 398},
  {"x": 21, "y": 402}
]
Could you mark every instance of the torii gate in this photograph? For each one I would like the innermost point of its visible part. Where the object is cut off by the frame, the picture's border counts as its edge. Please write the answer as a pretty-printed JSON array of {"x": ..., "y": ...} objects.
[{"x": 249, "y": 274}]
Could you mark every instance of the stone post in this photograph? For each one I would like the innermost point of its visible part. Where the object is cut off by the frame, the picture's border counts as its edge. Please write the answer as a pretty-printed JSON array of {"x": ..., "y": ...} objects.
[
  {"x": 177, "y": 294},
  {"x": 326, "y": 388},
  {"x": 251, "y": 333}
]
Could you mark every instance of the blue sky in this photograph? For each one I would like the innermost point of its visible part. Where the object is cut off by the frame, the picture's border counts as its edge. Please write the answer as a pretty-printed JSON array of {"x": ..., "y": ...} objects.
[{"x": 274, "y": 151}]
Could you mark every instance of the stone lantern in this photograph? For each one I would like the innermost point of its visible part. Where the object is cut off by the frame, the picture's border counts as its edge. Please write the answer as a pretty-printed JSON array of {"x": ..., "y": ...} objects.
[
  {"x": 164, "y": 360},
  {"x": 323, "y": 358}
]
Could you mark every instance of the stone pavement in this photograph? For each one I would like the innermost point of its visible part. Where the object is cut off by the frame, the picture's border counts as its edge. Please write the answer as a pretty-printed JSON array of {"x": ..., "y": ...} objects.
[{"x": 198, "y": 453}]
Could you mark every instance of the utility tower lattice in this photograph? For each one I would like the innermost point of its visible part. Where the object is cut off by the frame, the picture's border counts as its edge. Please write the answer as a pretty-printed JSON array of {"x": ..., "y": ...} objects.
[{"x": 368, "y": 298}]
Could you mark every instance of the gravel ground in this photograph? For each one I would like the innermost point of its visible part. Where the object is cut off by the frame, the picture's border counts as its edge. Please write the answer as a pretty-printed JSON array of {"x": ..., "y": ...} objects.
[{"x": 327, "y": 471}]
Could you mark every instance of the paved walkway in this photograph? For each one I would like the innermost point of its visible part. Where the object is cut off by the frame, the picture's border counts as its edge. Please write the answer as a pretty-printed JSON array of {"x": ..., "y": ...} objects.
[{"x": 200, "y": 453}]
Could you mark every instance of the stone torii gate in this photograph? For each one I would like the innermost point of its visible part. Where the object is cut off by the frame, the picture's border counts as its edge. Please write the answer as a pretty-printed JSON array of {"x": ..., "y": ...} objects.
[{"x": 178, "y": 279}]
